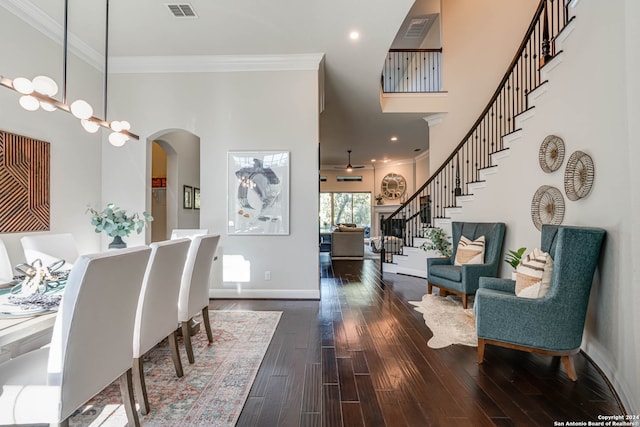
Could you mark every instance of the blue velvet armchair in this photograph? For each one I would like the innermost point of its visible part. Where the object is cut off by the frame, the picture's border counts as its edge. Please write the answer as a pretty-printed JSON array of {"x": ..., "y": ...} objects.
[
  {"x": 552, "y": 324},
  {"x": 463, "y": 280}
]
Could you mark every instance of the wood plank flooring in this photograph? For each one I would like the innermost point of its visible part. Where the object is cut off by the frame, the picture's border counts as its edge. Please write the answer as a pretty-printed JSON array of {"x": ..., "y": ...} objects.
[{"x": 359, "y": 357}]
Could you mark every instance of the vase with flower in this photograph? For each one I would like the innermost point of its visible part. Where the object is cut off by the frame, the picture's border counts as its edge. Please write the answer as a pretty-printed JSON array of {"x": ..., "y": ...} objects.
[{"x": 117, "y": 223}]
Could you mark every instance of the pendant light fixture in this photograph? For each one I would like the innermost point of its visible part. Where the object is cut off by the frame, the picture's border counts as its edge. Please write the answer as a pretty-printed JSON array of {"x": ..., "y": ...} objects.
[{"x": 40, "y": 92}]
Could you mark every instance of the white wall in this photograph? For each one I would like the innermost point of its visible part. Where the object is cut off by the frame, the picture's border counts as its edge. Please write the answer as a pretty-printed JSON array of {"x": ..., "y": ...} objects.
[
  {"x": 593, "y": 105},
  {"x": 276, "y": 110},
  {"x": 479, "y": 39},
  {"x": 75, "y": 154}
]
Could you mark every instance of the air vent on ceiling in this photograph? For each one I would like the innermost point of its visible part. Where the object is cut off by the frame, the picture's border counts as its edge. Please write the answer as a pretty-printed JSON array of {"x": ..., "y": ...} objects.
[
  {"x": 416, "y": 28},
  {"x": 182, "y": 10},
  {"x": 349, "y": 178}
]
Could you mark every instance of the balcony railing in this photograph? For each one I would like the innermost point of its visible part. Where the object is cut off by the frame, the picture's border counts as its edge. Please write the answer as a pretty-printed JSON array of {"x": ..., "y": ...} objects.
[{"x": 412, "y": 71}]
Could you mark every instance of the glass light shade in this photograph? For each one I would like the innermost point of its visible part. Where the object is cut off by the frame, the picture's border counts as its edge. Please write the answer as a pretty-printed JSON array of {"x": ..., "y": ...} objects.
[
  {"x": 45, "y": 85},
  {"x": 29, "y": 103},
  {"x": 117, "y": 139},
  {"x": 125, "y": 125},
  {"x": 47, "y": 107},
  {"x": 81, "y": 109},
  {"x": 22, "y": 85},
  {"x": 116, "y": 126},
  {"x": 89, "y": 126}
]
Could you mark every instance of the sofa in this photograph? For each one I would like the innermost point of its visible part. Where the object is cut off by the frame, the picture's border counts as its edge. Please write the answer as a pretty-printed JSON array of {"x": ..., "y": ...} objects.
[{"x": 347, "y": 242}]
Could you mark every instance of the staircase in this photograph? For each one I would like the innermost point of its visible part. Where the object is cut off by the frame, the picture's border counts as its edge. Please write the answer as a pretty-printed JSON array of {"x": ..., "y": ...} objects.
[{"x": 468, "y": 168}]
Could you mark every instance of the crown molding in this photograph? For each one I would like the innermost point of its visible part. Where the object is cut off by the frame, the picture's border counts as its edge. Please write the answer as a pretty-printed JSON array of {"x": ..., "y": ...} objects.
[
  {"x": 215, "y": 63},
  {"x": 42, "y": 22},
  {"x": 434, "y": 119}
]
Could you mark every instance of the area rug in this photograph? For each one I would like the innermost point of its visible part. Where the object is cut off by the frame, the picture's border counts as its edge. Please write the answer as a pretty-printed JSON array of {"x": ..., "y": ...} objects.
[
  {"x": 212, "y": 391},
  {"x": 447, "y": 320}
]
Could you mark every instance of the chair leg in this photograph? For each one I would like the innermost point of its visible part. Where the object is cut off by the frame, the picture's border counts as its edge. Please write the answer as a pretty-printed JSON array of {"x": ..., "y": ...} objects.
[
  {"x": 139, "y": 384},
  {"x": 207, "y": 323},
  {"x": 187, "y": 341},
  {"x": 567, "y": 361},
  {"x": 480, "y": 350},
  {"x": 126, "y": 389},
  {"x": 175, "y": 353},
  {"x": 464, "y": 301},
  {"x": 429, "y": 287}
]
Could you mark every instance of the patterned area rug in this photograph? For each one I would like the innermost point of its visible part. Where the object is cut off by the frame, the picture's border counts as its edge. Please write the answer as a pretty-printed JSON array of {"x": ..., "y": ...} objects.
[
  {"x": 212, "y": 391},
  {"x": 448, "y": 321}
]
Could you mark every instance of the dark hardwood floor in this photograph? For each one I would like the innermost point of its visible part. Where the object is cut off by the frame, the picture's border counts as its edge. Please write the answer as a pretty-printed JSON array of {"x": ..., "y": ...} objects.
[{"x": 359, "y": 357}]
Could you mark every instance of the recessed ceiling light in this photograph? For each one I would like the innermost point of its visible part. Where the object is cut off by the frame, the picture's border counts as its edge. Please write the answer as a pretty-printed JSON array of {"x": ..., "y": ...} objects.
[
  {"x": 385, "y": 161},
  {"x": 354, "y": 35},
  {"x": 373, "y": 160},
  {"x": 394, "y": 138}
]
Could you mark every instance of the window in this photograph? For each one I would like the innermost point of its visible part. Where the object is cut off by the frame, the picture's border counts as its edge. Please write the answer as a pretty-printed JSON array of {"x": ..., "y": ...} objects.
[{"x": 341, "y": 208}]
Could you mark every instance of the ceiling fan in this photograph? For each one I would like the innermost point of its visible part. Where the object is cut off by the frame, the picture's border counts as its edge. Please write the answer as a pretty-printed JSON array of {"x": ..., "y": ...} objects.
[{"x": 349, "y": 166}]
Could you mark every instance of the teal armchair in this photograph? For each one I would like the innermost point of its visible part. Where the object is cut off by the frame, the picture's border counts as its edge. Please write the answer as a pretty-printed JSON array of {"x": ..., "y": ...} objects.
[
  {"x": 554, "y": 323},
  {"x": 463, "y": 280}
]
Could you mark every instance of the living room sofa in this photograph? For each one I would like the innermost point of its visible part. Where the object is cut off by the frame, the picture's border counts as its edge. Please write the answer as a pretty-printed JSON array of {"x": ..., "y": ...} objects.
[{"x": 347, "y": 243}]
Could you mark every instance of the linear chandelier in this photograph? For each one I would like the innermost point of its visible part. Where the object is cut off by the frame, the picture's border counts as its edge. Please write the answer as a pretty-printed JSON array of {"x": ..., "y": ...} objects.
[{"x": 40, "y": 92}]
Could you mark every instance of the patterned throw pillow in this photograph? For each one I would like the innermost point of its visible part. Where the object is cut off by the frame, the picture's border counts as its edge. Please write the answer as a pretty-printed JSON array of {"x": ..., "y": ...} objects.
[
  {"x": 470, "y": 252},
  {"x": 533, "y": 275}
]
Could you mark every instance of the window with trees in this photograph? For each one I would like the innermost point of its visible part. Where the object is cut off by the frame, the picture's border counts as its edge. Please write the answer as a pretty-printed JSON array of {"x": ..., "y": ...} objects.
[{"x": 341, "y": 208}]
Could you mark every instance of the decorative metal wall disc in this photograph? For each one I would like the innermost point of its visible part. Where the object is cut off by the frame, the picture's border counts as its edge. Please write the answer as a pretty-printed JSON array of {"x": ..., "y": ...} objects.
[
  {"x": 578, "y": 176},
  {"x": 547, "y": 206},
  {"x": 551, "y": 153}
]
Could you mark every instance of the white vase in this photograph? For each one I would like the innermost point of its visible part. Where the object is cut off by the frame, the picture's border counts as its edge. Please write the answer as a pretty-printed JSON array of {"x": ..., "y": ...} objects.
[{"x": 514, "y": 275}]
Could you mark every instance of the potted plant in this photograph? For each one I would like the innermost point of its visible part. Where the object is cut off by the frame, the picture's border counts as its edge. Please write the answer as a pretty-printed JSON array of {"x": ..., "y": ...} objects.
[
  {"x": 513, "y": 258},
  {"x": 117, "y": 223},
  {"x": 438, "y": 241}
]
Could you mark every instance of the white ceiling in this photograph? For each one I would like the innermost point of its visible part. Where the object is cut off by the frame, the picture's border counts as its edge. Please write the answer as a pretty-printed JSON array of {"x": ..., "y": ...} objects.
[{"x": 352, "y": 118}]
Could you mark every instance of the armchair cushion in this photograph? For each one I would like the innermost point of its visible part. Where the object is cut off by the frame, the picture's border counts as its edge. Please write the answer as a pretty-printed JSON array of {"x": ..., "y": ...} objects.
[
  {"x": 534, "y": 274},
  {"x": 470, "y": 251}
]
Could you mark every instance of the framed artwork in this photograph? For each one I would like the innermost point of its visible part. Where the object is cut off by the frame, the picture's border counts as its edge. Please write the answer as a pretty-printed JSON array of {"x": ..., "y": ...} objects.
[
  {"x": 196, "y": 198},
  {"x": 187, "y": 197},
  {"x": 258, "y": 193}
]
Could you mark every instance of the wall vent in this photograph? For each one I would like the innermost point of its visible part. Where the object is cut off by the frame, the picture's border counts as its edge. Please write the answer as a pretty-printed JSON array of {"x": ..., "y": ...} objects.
[
  {"x": 416, "y": 28},
  {"x": 323, "y": 179},
  {"x": 182, "y": 10},
  {"x": 349, "y": 178}
]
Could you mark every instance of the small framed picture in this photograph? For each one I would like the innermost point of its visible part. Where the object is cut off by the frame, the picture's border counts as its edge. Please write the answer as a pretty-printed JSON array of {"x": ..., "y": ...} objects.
[
  {"x": 196, "y": 198},
  {"x": 187, "y": 197}
]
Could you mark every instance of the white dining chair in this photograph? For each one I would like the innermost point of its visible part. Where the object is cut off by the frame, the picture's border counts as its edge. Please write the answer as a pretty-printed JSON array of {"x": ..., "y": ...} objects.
[
  {"x": 6, "y": 271},
  {"x": 178, "y": 233},
  {"x": 50, "y": 248},
  {"x": 194, "y": 288},
  {"x": 90, "y": 348},
  {"x": 157, "y": 313}
]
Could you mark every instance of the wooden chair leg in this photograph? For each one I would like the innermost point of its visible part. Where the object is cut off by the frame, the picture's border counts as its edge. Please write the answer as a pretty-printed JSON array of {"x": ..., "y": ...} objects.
[
  {"x": 126, "y": 389},
  {"x": 139, "y": 385},
  {"x": 429, "y": 287},
  {"x": 567, "y": 361},
  {"x": 175, "y": 353},
  {"x": 480, "y": 350},
  {"x": 186, "y": 336},
  {"x": 464, "y": 301},
  {"x": 207, "y": 323}
]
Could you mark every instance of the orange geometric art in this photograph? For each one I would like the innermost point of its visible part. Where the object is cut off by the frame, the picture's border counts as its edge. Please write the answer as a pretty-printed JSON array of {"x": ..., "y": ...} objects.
[{"x": 24, "y": 184}]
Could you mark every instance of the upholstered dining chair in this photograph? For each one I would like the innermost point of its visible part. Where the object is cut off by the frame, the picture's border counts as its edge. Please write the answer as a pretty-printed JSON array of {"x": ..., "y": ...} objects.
[
  {"x": 463, "y": 279},
  {"x": 6, "y": 271},
  {"x": 157, "y": 313},
  {"x": 194, "y": 287},
  {"x": 90, "y": 348},
  {"x": 50, "y": 248},
  {"x": 552, "y": 324}
]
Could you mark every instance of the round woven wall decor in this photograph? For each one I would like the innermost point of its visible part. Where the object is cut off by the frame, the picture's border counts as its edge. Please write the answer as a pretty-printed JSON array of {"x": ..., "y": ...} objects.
[
  {"x": 551, "y": 153},
  {"x": 547, "y": 206},
  {"x": 578, "y": 176}
]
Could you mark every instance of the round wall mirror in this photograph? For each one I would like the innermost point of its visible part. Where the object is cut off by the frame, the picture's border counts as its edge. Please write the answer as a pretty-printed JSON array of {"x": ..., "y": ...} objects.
[{"x": 393, "y": 186}]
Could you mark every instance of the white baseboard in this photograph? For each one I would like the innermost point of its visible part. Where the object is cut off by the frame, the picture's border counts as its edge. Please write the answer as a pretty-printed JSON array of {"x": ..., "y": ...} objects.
[{"x": 264, "y": 294}]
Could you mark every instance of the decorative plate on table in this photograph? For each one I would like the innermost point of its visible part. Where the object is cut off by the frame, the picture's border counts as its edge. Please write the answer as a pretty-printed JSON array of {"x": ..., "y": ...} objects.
[
  {"x": 551, "y": 153},
  {"x": 578, "y": 176},
  {"x": 547, "y": 206}
]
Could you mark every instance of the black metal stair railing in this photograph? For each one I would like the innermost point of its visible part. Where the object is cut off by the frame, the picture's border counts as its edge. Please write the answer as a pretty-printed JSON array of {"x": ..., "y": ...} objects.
[
  {"x": 412, "y": 71},
  {"x": 473, "y": 153}
]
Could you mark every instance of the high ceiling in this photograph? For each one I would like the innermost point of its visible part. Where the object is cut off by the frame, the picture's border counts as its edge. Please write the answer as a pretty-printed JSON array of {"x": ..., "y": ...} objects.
[{"x": 352, "y": 118}]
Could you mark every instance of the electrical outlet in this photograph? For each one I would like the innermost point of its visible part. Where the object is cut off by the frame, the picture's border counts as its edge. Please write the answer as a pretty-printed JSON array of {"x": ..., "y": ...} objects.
[{"x": 267, "y": 275}]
